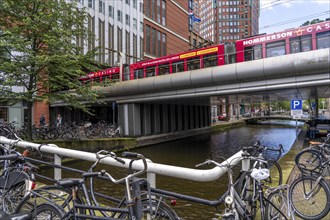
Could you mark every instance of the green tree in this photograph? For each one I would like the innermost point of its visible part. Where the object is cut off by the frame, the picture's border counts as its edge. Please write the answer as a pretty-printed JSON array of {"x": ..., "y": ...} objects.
[{"x": 39, "y": 53}]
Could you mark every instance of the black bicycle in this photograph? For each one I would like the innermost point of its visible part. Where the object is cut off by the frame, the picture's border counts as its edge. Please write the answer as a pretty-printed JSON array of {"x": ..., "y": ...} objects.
[{"x": 71, "y": 199}]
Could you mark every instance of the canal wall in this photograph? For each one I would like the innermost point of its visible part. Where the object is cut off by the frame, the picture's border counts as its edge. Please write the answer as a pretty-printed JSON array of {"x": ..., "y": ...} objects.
[{"x": 126, "y": 143}]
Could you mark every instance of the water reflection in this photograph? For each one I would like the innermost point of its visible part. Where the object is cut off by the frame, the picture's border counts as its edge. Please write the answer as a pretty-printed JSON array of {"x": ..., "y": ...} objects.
[{"x": 193, "y": 150}]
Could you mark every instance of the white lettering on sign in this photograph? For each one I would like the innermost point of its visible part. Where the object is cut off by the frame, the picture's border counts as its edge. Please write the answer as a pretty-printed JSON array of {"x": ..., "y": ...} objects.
[{"x": 298, "y": 32}]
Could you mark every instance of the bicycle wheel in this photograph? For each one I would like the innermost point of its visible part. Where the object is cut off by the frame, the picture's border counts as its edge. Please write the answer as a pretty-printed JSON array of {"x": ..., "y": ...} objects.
[
  {"x": 158, "y": 211},
  {"x": 277, "y": 205},
  {"x": 12, "y": 197},
  {"x": 309, "y": 160},
  {"x": 309, "y": 197},
  {"x": 47, "y": 211},
  {"x": 276, "y": 177},
  {"x": 52, "y": 194}
]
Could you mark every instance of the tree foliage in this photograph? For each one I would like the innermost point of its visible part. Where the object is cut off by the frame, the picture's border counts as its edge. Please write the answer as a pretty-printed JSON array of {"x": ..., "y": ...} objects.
[
  {"x": 314, "y": 21},
  {"x": 38, "y": 53}
]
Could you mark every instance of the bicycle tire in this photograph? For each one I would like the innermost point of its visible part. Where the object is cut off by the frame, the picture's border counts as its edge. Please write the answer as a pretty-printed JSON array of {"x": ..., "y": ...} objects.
[
  {"x": 309, "y": 161},
  {"x": 12, "y": 197},
  {"x": 317, "y": 206},
  {"x": 277, "y": 207},
  {"x": 160, "y": 210},
  {"x": 55, "y": 194},
  {"x": 276, "y": 176},
  {"x": 47, "y": 211},
  {"x": 275, "y": 179}
]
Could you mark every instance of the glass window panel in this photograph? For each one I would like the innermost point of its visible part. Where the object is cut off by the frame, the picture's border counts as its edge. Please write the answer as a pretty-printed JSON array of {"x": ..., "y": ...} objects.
[
  {"x": 178, "y": 67},
  {"x": 323, "y": 40},
  {"x": 275, "y": 49}
]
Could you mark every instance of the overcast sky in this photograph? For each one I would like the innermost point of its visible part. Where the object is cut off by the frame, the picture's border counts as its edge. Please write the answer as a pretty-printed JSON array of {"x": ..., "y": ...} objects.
[{"x": 278, "y": 15}]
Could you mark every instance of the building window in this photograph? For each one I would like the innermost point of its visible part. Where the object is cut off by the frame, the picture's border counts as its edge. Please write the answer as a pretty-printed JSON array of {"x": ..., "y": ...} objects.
[
  {"x": 101, "y": 7},
  {"x": 134, "y": 23},
  {"x": 141, "y": 6},
  {"x": 101, "y": 41},
  {"x": 135, "y": 4},
  {"x": 141, "y": 26},
  {"x": 153, "y": 41},
  {"x": 134, "y": 48},
  {"x": 158, "y": 11},
  {"x": 127, "y": 20},
  {"x": 120, "y": 40},
  {"x": 153, "y": 9},
  {"x": 111, "y": 45},
  {"x": 128, "y": 49},
  {"x": 111, "y": 15},
  {"x": 91, "y": 4},
  {"x": 159, "y": 44},
  {"x": 164, "y": 45},
  {"x": 164, "y": 13},
  {"x": 148, "y": 39},
  {"x": 119, "y": 16},
  {"x": 91, "y": 28},
  {"x": 127, "y": 2}
]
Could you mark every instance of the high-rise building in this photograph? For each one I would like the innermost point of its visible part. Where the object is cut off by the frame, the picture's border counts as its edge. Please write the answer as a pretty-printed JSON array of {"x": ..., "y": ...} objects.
[
  {"x": 118, "y": 29},
  {"x": 228, "y": 20}
]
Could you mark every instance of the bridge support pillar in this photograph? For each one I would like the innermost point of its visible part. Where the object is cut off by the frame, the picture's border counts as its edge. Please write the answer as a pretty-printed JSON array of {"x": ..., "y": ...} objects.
[
  {"x": 185, "y": 117},
  {"x": 156, "y": 118},
  {"x": 179, "y": 118},
  {"x": 164, "y": 119},
  {"x": 172, "y": 118},
  {"x": 130, "y": 119},
  {"x": 146, "y": 120}
]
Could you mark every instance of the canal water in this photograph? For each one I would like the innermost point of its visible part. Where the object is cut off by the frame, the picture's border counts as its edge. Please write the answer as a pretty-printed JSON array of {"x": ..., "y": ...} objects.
[{"x": 193, "y": 150}]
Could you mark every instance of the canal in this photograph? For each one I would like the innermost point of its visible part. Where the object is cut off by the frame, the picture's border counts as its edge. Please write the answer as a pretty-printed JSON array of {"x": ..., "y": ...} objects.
[{"x": 193, "y": 150}]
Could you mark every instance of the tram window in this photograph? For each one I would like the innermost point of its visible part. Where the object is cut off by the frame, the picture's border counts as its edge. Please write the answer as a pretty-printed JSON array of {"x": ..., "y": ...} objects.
[
  {"x": 138, "y": 74},
  {"x": 323, "y": 40},
  {"x": 151, "y": 71},
  {"x": 275, "y": 49},
  {"x": 178, "y": 67},
  {"x": 300, "y": 44},
  {"x": 210, "y": 60},
  {"x": 193, "y": 64},
  {"x": 115, "y": 77},
  {"x": 253, "y": 52},
  {"x": 126, "y": 73},
  {"x": 163, "y": 69}
]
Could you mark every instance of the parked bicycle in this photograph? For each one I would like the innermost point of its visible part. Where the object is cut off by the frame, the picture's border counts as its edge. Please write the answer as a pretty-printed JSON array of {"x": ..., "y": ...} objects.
[
  {"x": 67, "y": 203},
  {"x": 16, "y": 179},
  {"x": 235, "y": 206}
]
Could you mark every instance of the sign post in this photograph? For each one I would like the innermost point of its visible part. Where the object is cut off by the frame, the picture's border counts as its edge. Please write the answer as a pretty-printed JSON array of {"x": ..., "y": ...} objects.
[{"x": 296, "y": 112}]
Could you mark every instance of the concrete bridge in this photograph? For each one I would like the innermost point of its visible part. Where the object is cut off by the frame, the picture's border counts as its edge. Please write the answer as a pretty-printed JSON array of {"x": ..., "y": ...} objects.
[{"x": 181, "y": 101}]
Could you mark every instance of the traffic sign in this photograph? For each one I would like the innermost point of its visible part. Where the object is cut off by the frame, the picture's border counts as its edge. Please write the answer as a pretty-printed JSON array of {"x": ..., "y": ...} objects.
[
  {"x": 296, "y": 104},
  {"x": 296, "y": 108}
]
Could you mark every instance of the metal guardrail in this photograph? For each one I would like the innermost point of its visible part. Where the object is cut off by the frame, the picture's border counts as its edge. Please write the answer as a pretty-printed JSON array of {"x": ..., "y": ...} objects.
[{"x": 153, "y": 168}]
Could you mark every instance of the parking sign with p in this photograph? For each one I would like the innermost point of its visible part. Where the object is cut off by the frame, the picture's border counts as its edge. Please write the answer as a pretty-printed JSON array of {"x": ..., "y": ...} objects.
[{"x": 296, "y": 107}]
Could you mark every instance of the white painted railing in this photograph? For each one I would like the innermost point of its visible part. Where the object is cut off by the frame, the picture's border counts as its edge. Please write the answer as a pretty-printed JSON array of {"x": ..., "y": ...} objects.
[{"x": 153, "y": 168}]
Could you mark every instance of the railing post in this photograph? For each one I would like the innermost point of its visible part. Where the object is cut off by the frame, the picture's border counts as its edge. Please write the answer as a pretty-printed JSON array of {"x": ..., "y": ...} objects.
[
  {"x": 151, "y": 179},
  {"x": 57, "y": 161}
]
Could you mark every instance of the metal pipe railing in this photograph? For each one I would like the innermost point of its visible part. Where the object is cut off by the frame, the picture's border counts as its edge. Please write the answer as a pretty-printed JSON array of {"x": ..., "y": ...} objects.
[{"x": 153, "y": 168}]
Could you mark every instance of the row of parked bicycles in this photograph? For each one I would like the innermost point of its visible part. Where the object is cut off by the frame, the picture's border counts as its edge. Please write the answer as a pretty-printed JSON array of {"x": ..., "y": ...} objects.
[
  {"x": 257, "y": 192},
  {"x": 65, "y": 131}
]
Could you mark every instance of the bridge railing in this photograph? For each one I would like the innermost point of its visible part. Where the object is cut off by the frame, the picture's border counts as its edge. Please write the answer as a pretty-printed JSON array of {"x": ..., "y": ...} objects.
[{"x": 153, "y": 168}]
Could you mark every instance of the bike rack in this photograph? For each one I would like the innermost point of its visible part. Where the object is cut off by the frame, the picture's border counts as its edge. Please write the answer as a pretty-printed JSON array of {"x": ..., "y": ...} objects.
[{"x": 153, "y": 168}]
